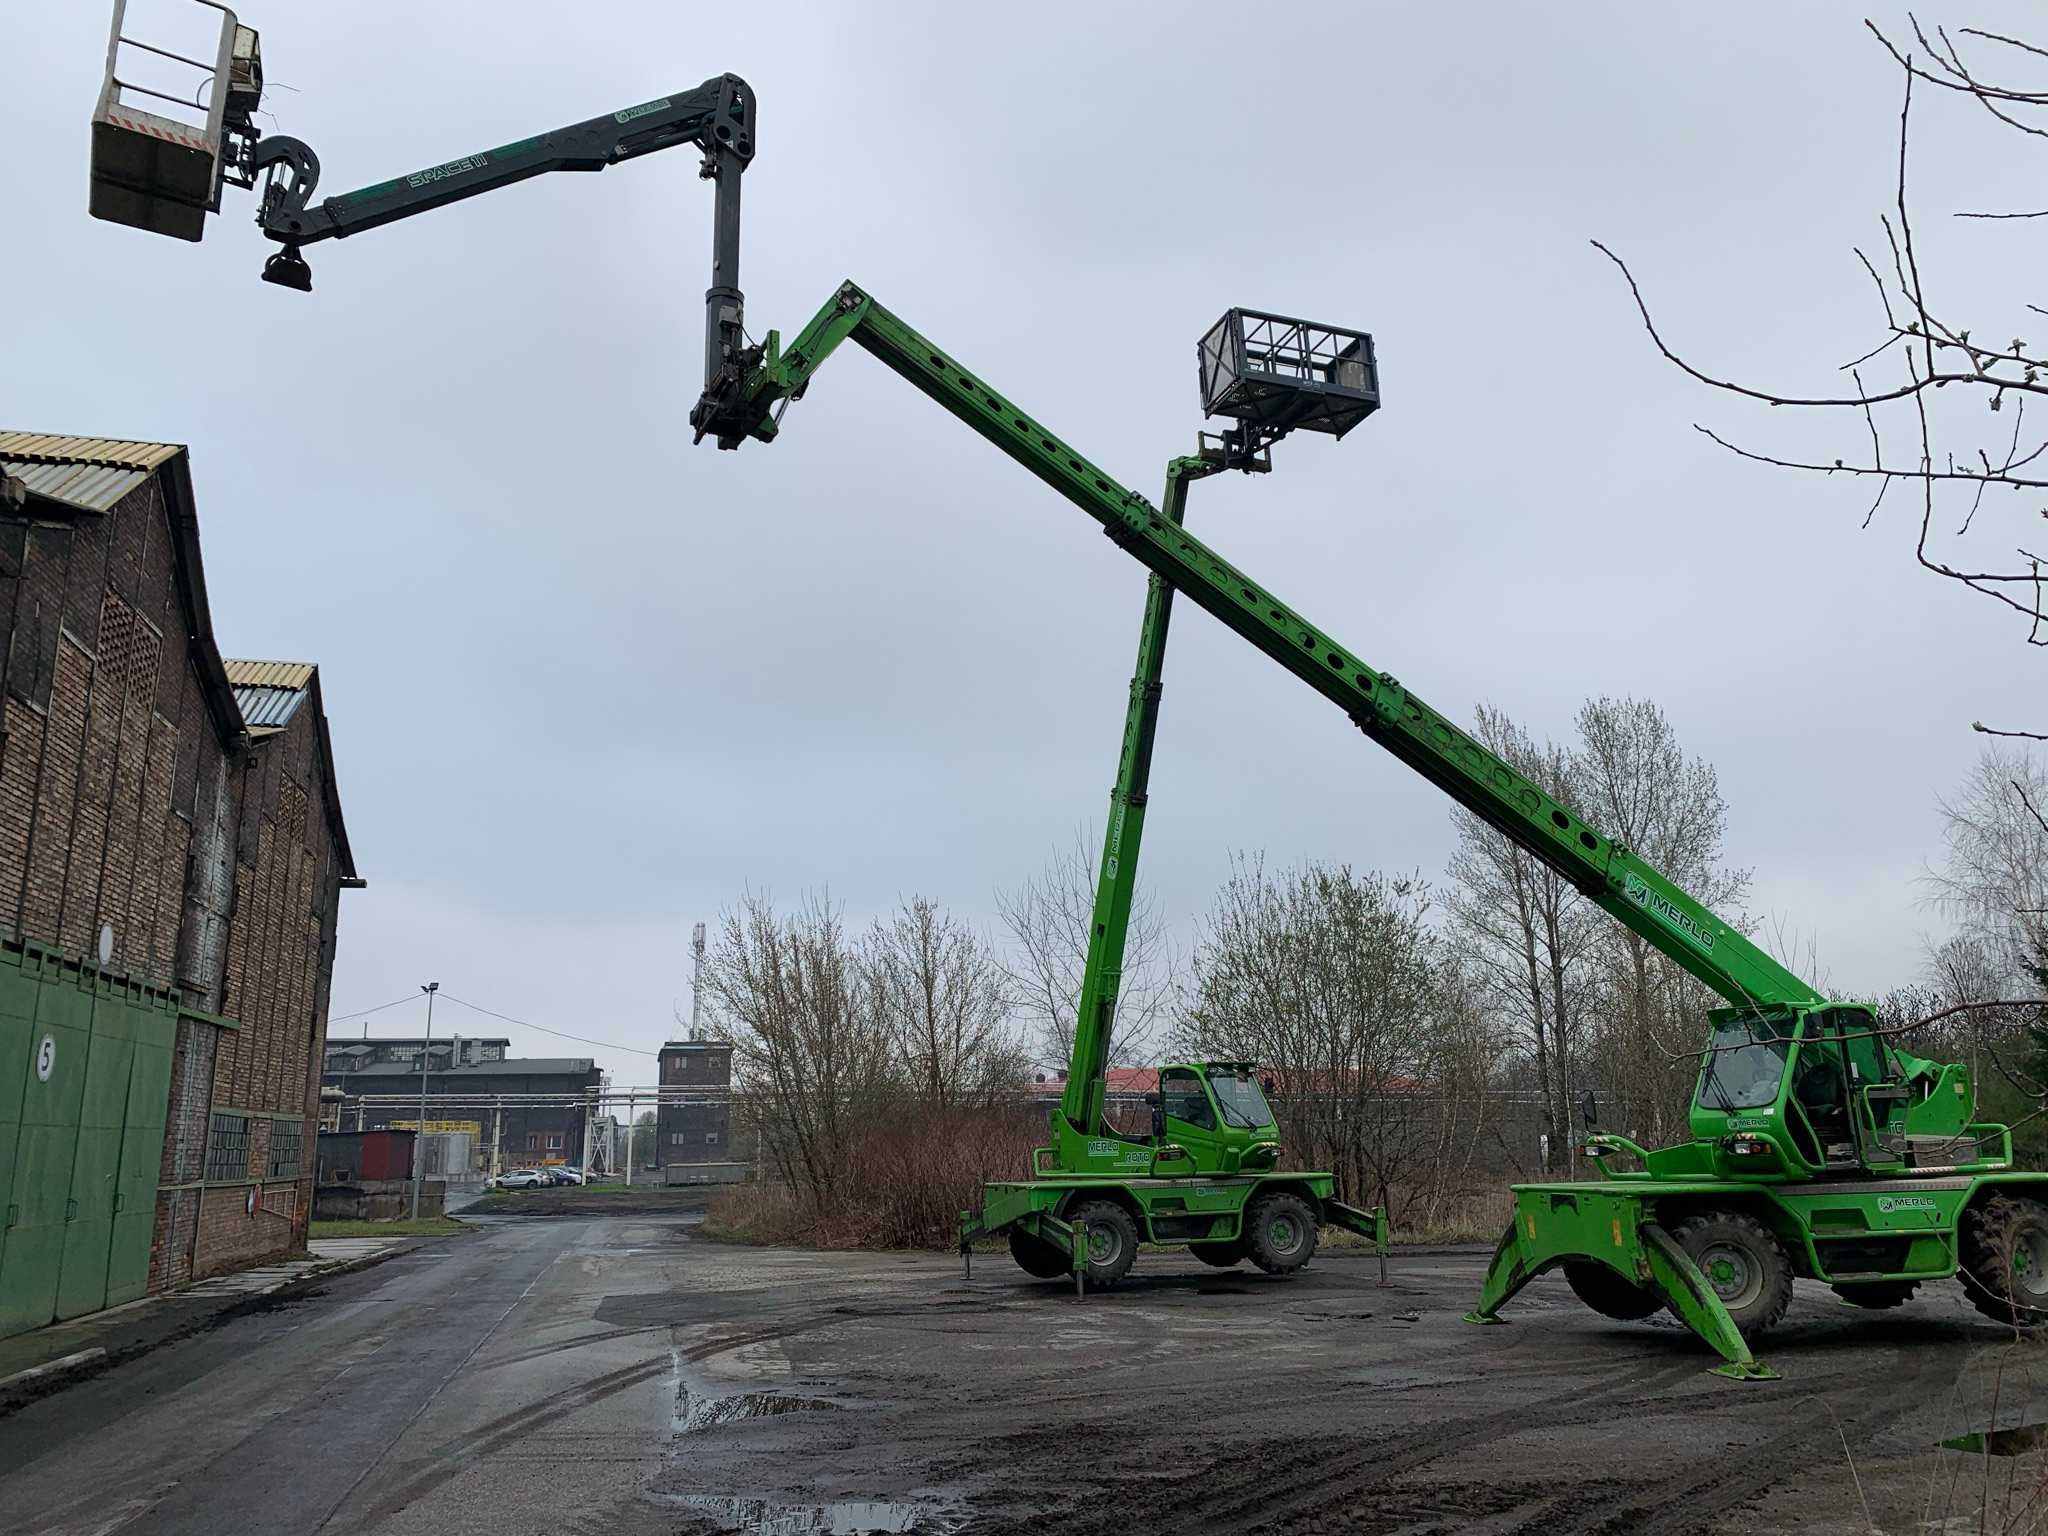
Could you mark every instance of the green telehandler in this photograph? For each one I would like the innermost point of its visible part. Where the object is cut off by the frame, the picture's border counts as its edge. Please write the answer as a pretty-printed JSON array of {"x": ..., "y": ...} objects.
[{"x": 1819, "y": 1149}]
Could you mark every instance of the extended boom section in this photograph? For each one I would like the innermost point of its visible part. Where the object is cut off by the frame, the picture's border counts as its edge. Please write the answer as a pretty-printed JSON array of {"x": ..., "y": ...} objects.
[{"x": 1485, "y": 784}]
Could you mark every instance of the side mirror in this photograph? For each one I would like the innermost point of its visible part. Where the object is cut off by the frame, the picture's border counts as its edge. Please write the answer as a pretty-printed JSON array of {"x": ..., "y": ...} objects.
[
  {"x": 1266, "y": 1084},
  {"x": 1589, "y": 1109},
  {"x": 1158, "y": 1116}
]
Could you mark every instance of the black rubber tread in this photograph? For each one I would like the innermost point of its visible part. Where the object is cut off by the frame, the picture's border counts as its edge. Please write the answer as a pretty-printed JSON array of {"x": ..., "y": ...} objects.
[
  {"x": 1223, "y": 1255},
  {"x": 1698, "y": 1233},
  {"x": 1107, "y": 1213},
  {"x": 1608, "y": 1293},
  {"x": 1036, "y": 1257},
  {"x": 1260, "y": 1218},
  {"x": 1878, "y": 1294},
  {"x": 1988, "y": 1231}
]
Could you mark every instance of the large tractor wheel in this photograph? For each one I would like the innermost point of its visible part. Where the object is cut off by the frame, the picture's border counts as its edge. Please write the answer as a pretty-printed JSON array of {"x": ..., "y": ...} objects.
[
  {"x": 1744, "y": 1263},
  {"x": 1877, "y": 1295},
  {"x": 1280, "y": 1232},
  {"x": 1036, "y": 1257},
  {"x": 1608, "y": 1293},
  {"x": 2005, "y": 1260},
  {"x": 1112, "y": 1240},
  {"x": 1224, "y": 1255}
]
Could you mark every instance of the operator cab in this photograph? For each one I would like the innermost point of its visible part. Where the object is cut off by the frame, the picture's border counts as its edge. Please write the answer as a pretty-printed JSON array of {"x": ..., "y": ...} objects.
[
  {"x": 1802, "y": 1093},
  {"x": 1218, "y": 1112}
]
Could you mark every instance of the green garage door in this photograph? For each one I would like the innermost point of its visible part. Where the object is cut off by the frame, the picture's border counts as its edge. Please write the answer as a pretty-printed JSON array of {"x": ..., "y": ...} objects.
[{"x": 86, "y": 1077}]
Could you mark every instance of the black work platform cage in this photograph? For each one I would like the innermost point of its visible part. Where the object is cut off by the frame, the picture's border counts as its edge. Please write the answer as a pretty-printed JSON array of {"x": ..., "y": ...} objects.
[{"x": 1276, "y": 374}]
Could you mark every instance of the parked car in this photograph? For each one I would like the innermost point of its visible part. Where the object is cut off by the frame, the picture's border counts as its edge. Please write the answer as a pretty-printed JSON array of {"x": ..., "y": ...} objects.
[
  {"x": 561, "y": 1174},
  {"x": 523, "y": 1178}
]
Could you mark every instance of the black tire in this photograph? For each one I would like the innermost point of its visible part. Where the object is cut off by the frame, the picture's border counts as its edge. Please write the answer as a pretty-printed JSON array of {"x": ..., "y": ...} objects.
[
  {"x": 1224, "y": 1255},
  {"x": 1608, "y": 1293},
  {"x": 1112, "y": 1240},
  {"x": 1744, "y": 1263},
  {"x": 2005, "y": 1260},
  {"x": 1280, "y": 1232},
  {"x": 1878, "y": 1294},
  {"x": 1036, "y": 1257}
]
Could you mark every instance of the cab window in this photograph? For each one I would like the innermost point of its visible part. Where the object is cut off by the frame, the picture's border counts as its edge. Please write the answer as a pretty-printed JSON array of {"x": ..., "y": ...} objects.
[{"x": 1184, "y": 1099}]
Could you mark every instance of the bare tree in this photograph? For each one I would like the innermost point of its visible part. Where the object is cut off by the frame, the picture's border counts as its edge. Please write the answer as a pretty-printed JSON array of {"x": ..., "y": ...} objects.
[
  {"x": 1333, "y": 980},
  {"x": 811, "y": 1037},
  {"x": 1993, "y": 879},
  {"x": 1917, "y": 401},
  {"x": 1635, "y": 782},
  {"x": 1048, "y": 917},
  {"x": 1527, "y": 930},
  {"x": 944, "y": 995}
]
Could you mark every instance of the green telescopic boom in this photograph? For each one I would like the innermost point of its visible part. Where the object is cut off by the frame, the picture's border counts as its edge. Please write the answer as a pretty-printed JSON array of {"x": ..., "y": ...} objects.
[{"x": 1623, "y": 884}]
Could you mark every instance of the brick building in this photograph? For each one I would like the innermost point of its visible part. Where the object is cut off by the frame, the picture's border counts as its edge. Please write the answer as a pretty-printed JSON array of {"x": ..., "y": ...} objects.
[
  {"x": 171, "y": 856},
  {"x": 693, "y": 1129}
]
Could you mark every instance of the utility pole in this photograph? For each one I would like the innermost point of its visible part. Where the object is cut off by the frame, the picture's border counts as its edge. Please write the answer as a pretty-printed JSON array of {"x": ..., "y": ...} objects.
[{"x": 419, "y": 1135}]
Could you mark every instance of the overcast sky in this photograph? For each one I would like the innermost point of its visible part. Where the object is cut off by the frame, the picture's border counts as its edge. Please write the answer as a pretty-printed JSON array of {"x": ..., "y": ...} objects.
[{"x": 587, "y": 684}]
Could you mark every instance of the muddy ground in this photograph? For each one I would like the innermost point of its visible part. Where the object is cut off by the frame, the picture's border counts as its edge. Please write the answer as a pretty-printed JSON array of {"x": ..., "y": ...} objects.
[
  {"x": 623, "y": 1376},
  {"x": 1199, "y": 1402}
]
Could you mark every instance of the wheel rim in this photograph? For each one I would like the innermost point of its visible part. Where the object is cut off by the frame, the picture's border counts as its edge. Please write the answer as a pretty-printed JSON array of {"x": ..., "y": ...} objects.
[
  {"x": 1103, "y": 1244},
  {"x": 1733, "y": 1272},
  {"x": 2030, "y": 1264},
  {"x": 1284, "y": 1233}
]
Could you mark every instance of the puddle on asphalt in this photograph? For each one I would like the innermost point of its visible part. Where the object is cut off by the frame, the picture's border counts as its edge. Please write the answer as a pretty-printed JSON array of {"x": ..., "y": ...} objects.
[
  {"x": 2015, "y": 1441},
  {"x": 695, "y": 1411},
  {"x": 849, "y": 1517}
]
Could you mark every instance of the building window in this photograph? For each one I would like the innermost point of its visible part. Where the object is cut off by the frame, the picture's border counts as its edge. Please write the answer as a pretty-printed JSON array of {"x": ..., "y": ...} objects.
[
  {"x": 533, "y": 1141},
  {"x": 284, "y": 1150},
  {"x": 227, "y": 1147},
  {"x": 554, "y": 1141},
  {"x": 711, "y": 1138}
]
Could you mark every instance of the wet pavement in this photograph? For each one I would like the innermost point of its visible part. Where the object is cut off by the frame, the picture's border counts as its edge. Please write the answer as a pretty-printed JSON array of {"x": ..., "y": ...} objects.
[{"x": 626, "y": 1376}]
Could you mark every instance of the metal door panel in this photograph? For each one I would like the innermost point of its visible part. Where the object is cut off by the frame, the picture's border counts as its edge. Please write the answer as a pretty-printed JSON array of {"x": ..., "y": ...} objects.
[
  {"x": 14, "y": 1067},
  {"x": 142, "y": 1151},
  {"x": 44, "y": 1151},
  {"x": 89, "y": 1218}
]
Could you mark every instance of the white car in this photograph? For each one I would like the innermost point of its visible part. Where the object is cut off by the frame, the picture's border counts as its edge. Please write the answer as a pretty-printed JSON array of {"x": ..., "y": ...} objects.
[{"x": 523, "y": 1178}]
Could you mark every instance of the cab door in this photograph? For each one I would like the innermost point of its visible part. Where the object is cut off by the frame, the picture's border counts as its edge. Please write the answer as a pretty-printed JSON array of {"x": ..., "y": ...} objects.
[{"x": 1190, "y": 1117}]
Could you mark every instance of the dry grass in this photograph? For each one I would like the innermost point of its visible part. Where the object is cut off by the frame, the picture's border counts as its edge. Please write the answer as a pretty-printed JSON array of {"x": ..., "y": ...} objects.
[{"x": 904, "y": 1185}]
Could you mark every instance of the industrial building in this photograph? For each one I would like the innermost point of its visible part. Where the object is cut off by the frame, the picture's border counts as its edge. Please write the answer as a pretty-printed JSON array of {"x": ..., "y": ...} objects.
[
  {"x": 171, "y": 856},
  {"x": 518, "y": 1111},
  {"x": 693, "y": 1124}
]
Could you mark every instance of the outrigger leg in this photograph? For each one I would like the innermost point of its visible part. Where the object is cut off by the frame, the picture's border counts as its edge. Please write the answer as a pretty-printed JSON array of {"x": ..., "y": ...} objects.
[{"x": 1552, "y": 1225}]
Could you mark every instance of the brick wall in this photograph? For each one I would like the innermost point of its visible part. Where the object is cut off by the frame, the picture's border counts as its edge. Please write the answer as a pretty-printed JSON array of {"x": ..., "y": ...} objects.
[
  {"x": 127, "y": 804},
  {"x": 278, "y": 965},
  {"x": 104, "y": 735}
]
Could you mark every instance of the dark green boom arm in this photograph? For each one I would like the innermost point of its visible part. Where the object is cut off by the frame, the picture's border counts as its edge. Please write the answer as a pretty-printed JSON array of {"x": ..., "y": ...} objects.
[{"x": 1624, "y": 885}]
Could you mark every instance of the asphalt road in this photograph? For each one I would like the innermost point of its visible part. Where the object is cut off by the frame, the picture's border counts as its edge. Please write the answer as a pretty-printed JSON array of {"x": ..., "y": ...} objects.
[{"x": 622, "y": 1376}]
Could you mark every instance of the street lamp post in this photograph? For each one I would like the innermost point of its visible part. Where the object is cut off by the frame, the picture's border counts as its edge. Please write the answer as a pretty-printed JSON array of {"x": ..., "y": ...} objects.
[{"x": 419, "y": 1135}]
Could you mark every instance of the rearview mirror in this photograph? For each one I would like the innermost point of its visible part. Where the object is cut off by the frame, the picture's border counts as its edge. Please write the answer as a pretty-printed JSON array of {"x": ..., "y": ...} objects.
[
  {"x": 1266, "y": 1083},
  {"x": 1589, "y": 1109},
  {"x": 1158, "y": 1116}
]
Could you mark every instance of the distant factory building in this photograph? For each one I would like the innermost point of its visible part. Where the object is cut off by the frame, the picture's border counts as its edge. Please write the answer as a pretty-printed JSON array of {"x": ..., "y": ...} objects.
[
  {"x": 519, "y": 1111},
  {"x": 171, "y": 856}
]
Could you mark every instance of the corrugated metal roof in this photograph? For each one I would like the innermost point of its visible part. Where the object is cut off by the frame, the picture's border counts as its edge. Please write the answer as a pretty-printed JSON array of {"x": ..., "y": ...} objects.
[
  {"x": 94, "y": 487},
  {"x": 267, "y": 709},
  {"x": 46, "y": 448},
  {"x": 268, "y": 693},
  {"x": 87, "y": 472},
  {"x": 269, "y": 674}
]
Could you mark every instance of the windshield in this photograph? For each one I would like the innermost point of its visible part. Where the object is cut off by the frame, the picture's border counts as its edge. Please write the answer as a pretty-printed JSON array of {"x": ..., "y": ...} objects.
[
  {"x": 1745, "y": 1063},
  {"x": 1239, "y": 1100}
]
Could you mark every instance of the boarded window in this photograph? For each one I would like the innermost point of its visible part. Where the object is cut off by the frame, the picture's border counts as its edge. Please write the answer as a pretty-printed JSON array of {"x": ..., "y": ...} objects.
[
  {"x": 284, "y": 1150},
  {"x": 227, "y": 1147}
]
